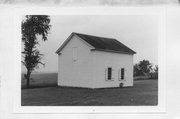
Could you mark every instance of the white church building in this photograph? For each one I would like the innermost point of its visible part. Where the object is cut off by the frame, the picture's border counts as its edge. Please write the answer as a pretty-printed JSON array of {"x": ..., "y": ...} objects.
[{"x": 94, "y": 62}]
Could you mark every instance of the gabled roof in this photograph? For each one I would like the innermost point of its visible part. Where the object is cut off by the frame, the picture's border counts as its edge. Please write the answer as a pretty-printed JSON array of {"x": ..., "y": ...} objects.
[{"x": 102, "y": 44}]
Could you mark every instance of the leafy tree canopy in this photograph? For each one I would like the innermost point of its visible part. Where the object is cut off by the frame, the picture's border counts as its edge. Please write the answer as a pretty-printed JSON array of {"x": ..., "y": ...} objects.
[
  {"x": 32, "y": 27},
  {"x": 144, "y": 67}
]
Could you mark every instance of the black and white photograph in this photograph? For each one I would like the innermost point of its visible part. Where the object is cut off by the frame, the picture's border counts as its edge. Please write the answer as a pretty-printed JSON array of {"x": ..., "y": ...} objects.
[{"x": 89, "y": 60}]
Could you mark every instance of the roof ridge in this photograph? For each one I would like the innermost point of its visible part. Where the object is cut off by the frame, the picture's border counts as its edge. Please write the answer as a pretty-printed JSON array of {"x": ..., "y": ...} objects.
[{"x": 94, "y": 35}]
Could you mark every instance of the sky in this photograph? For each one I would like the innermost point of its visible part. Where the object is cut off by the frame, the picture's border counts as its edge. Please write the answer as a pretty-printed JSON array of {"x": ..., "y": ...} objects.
[{"x": 138, "y": 32}]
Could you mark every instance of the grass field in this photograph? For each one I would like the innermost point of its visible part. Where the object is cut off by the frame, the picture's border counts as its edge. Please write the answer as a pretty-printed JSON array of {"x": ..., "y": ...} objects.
[{"x": 144, "y": 92}]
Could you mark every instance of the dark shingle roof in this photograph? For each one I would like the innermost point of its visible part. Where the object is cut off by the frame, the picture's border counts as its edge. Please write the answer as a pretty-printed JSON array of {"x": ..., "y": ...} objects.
[{"x": 105, "y": 44}]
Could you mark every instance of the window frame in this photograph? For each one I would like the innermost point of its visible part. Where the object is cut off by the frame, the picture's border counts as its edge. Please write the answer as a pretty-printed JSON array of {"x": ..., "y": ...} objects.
[
  {"x": 107, "y": 74},
  {"x": 120, "y": 74},
  {"x": 74, "y": 54},
  {"x": 122, "y": 77}
]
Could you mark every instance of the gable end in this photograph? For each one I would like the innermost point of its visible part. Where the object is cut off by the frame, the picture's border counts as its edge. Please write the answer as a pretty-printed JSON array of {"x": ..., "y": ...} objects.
[{"x": 67, "y": 41}]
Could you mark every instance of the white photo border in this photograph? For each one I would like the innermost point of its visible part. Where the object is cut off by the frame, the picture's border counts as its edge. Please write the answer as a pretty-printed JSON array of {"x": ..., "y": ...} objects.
[{"x": 159, "y": 11}]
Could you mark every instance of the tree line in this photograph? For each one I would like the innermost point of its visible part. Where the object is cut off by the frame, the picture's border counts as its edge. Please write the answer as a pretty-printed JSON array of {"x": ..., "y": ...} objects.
[{"x": 145, "y": 68}]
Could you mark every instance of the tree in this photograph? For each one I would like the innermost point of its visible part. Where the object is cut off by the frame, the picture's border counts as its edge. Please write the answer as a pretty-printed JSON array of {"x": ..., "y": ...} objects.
[
  {"x": 156, "y": 68},
  {"x": 137, "y": 71},
  {"x": 144, "y": 67},
  {"x": 156, "y": 71},
  {"x": 32, "y": 27}
]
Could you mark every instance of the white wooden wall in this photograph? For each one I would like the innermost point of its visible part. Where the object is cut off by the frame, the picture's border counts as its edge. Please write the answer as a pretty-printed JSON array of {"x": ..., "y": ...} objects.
[
  {"x": 75, "y": 68},
  {"x": 103, "y": 60},
  {"x": 82, "y": 67}
]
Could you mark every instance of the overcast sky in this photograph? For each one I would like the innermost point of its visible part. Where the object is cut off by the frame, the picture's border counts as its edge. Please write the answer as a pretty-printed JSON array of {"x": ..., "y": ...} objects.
[{"x": 138, "y": 32}]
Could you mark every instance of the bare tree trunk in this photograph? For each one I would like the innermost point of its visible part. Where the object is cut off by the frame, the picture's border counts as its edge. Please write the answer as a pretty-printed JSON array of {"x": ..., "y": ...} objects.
[{"x": 28, "y": 79}]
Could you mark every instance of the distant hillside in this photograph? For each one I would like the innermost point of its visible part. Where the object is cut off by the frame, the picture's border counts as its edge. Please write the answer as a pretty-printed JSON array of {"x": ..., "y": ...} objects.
[{"x": 41, "y": 80}]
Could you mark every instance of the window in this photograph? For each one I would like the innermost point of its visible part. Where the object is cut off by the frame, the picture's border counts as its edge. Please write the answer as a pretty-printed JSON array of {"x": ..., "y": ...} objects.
[
  {"x": 122, "y": 73},
  {"x": 74, "y": 53},
  {"x": 109, "y": 73}
]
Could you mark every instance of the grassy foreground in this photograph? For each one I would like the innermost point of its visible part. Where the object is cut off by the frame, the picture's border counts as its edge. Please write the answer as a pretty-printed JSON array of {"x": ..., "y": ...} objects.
[{"x": 144, "y": 92}]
